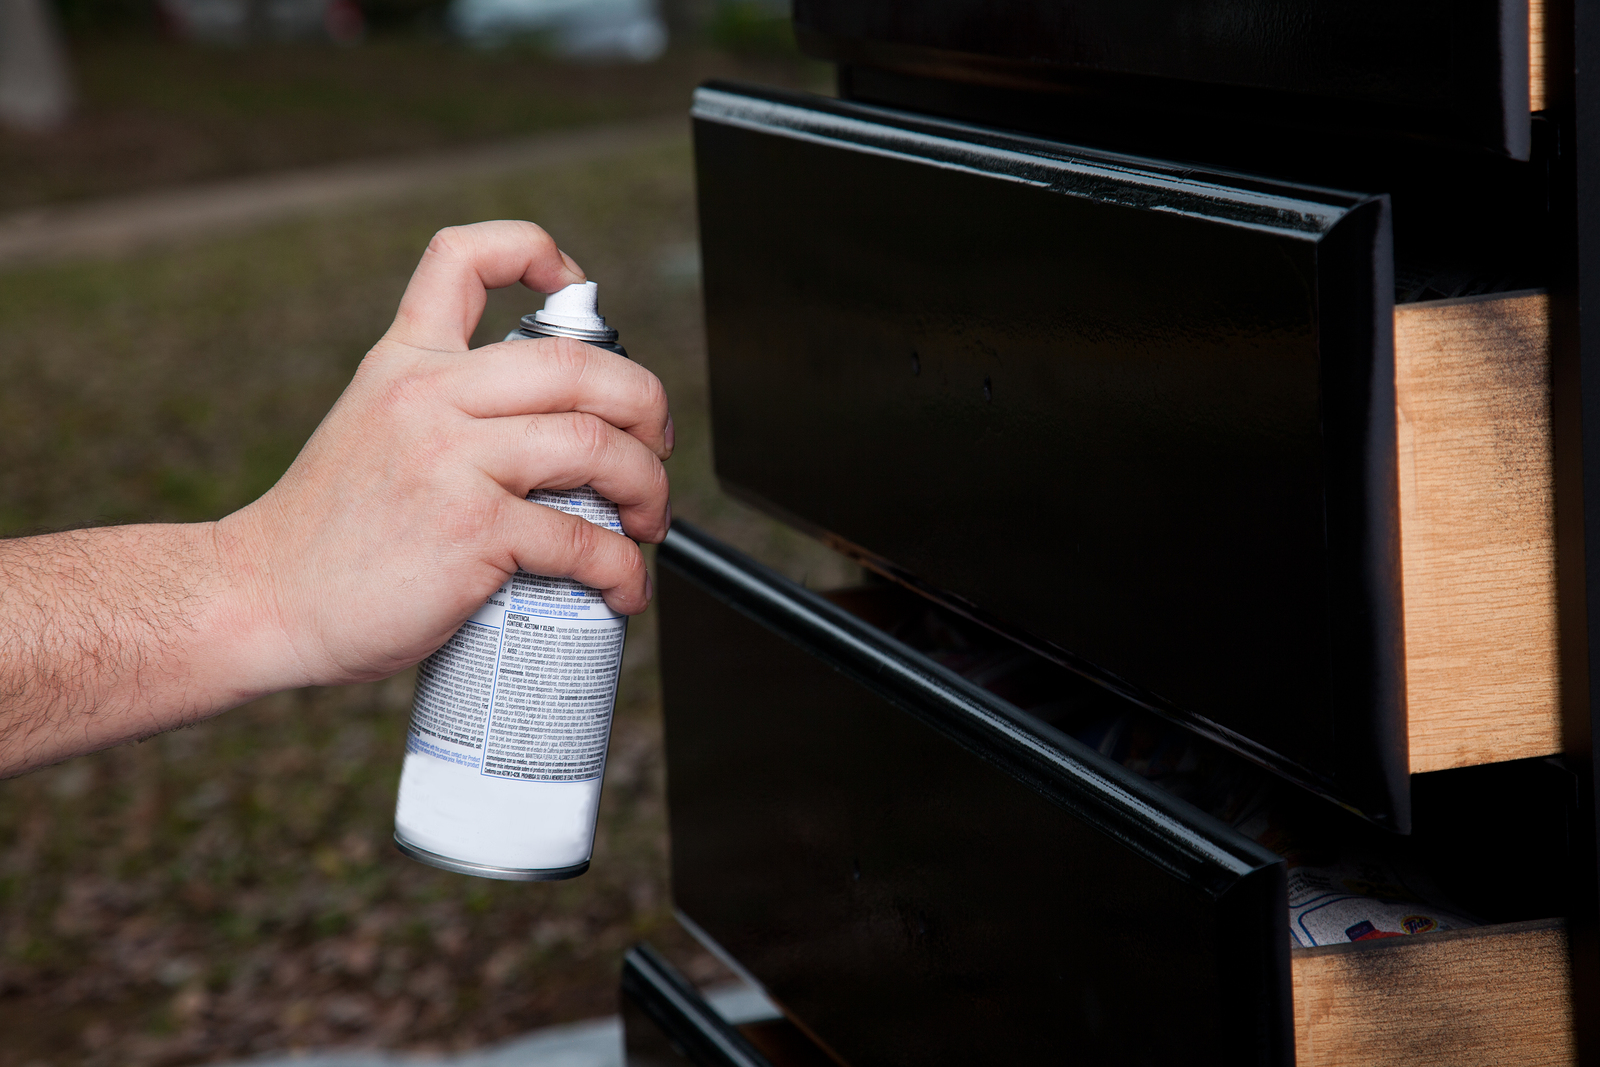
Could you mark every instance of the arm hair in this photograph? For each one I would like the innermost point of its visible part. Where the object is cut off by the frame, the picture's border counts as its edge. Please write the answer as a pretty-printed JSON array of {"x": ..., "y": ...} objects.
[{"x": 100, "y": 637}]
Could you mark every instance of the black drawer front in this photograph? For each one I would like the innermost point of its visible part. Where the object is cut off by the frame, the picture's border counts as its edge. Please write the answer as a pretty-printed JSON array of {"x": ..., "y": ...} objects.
[
  {"x": 921, "y": 874},
  {"x": 1143, "y": 414},
  {"x": 1455, "y": 70}
]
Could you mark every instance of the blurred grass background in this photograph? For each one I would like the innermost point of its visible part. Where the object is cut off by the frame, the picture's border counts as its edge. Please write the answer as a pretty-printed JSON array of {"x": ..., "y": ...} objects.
[
  {"x": 230, "y": 889},
  {"x": 154, "y": 113}
]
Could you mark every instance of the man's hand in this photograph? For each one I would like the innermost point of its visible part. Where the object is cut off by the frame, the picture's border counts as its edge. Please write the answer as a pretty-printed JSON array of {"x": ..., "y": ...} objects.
[{"x": 403, "y": 512}]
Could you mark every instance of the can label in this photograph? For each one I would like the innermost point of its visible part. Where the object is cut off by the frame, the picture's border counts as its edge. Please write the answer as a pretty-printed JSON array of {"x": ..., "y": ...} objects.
[
  {"x": 511, "y": 720},
  {"x": 525, "y": 688}
]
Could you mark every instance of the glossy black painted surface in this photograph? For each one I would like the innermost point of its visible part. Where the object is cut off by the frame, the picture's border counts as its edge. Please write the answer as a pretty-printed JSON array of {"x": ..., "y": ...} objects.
[
  {"x": 925, "y": 875},
  {"x": 667, "y": 1023},
  {"x": 1465, "y": 222},
  {"x": 1139, "y": 413},
  {"x": 1455, "y": 69}
]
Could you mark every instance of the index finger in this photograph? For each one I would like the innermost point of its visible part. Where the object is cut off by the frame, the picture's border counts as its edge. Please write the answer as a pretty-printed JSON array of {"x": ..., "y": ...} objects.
[
  {"x": 553, "y": 374},
  {"x": 445, "y": 297}
]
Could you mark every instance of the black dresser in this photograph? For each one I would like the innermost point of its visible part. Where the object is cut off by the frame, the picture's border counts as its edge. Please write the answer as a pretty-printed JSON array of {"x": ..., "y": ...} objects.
[{"x": 1212, "y": 392}]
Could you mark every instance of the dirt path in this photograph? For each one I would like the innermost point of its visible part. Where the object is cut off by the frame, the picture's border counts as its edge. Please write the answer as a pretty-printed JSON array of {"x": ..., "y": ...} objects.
[{"x": 117, "y": 226}]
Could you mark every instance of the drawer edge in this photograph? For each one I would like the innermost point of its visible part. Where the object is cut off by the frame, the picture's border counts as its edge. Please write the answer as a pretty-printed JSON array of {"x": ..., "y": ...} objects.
[{"x": 1181, "y": 840}]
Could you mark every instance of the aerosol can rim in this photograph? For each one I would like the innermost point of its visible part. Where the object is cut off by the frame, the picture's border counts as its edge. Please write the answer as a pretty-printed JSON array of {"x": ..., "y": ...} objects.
[
  {"x": 484, "y": 870},
  {"x": 532, "y": 327}
]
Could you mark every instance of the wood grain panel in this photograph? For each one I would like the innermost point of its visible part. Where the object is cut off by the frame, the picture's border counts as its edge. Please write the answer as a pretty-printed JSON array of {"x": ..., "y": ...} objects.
[
  {"x": 1494, "y": 995},
  {"x": 1477, "y": 537},
  {"x": 1536, "y": 55}
]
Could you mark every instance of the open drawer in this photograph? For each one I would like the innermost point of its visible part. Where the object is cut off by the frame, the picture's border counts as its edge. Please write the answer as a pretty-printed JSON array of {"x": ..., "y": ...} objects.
[
  {"x": 1355, "y": 1006},
  {"x": 921, "y": 873},
  {"x": 1491, "y": 995},
  {"x": 1466, "y": 72},
  {"x": 1167, "y": 426}
]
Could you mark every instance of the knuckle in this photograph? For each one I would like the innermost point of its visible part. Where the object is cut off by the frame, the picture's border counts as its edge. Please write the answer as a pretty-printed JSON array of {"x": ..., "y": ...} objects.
[
  {"x": 578, "y": 542},
  {"x": 533, "y": 233},
  {"x": 633, "y": 560},
  {"x": 588, "y": 436},
  {"x": 449, "y": 241},
  {"x": 660, "y": 483},
  {"x": 569, "y": 358},
  {"x": 653, "y": 395}
]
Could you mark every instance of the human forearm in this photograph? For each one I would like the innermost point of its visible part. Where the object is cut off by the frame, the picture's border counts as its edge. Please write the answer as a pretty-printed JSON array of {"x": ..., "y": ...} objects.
[{"x": 109, "y": 635}]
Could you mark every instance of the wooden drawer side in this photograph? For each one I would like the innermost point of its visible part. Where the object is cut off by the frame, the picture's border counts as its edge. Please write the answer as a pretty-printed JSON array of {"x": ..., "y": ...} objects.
[
  {"x": 1537, "y": 93},
  {"x": 1472, "y": 389},
  {"x": 1493, "y": 995}
]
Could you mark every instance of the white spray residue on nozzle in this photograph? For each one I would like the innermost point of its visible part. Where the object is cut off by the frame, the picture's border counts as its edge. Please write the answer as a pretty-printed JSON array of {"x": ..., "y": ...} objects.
[{"x": 576, "y": 306}]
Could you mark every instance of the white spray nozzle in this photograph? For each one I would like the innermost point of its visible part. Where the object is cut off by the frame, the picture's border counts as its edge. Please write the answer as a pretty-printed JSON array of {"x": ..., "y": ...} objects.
[{"x": 578, "y": 306}]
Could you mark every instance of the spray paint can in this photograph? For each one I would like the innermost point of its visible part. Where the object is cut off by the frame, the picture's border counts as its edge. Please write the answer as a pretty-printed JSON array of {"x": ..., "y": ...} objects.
[{"x": 511, "y": 718}]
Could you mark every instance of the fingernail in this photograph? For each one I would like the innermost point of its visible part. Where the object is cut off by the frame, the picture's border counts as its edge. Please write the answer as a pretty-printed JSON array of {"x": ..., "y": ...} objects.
[
  {"x": 649, "y": 587},
  {"x": 572, "y": 265},
  {"x": 671, "y": 435}
]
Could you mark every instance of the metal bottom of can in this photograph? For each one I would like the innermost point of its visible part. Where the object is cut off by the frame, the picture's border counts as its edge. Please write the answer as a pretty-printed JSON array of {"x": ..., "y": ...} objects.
[{"x": 484, "y": 870}]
